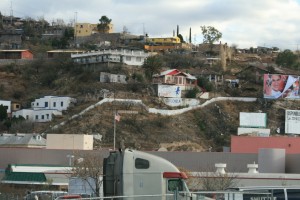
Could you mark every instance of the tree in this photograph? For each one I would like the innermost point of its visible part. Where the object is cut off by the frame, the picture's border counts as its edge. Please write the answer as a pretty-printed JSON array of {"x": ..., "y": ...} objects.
[
  {"x": 210, "y": 35},
  {"x": 152, "y": 65},
  {"x": 103, "y": 26},
  {"x": 3, "y": 113},
  {"x": 286, "y": 58},
  {"x": 204, "y": 83},
  {"x": 216, "y": 181},
  {"x": 89, "y": 166},
  {"x": 181, "y": 38}
]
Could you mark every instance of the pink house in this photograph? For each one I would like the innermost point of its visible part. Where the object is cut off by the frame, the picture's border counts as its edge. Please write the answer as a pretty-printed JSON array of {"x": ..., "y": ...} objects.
[
  {"x": 249, "y": 144},
  {"x": 174, "y": 77}
]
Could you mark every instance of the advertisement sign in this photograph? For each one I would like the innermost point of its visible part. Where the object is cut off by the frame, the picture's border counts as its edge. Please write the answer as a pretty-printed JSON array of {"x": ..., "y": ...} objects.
[
  {"x": 255, "y": 120},
  {"x": 292, "y": 121},
  {"x": 281, "y": 86},
  {"x": 169, "y": 91}
]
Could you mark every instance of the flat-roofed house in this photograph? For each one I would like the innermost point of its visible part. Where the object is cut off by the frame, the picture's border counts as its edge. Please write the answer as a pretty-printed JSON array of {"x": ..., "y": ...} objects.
[{"x": 16, "y": 54}]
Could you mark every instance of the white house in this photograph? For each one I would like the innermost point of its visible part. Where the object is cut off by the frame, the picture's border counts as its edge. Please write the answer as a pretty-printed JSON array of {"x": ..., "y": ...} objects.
[
  {"x": 7, "y": 105},
  {"x": 126, "y": 56},
  {"x": 41, "y": 115},
  {"x": 53, "y": 102}
]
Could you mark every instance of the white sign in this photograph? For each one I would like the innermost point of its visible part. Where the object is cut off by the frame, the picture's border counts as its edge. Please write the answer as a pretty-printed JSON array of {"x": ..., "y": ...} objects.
[
  {"x": 255, "y": 120},
  {"x": 169, "y": 91},
  {"x": 292, "y": 121},
  {"x": 173, "y": 102}
]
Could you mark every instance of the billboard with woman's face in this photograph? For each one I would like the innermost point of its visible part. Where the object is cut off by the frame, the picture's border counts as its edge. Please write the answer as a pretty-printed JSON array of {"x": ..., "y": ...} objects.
[{"x": 281, "y": 86}]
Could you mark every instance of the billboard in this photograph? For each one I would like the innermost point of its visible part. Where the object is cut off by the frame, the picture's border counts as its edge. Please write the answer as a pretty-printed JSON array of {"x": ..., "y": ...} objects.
[
  {"x": 169, "y": 91},
  {"x": 281, "y": 86},
  {"x": 254, "y": 120},
  {"x": 292, "y": 121}
]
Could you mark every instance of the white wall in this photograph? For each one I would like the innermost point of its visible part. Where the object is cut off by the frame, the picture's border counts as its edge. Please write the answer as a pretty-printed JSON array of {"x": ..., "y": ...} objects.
[{"x": 42, "y": 115}]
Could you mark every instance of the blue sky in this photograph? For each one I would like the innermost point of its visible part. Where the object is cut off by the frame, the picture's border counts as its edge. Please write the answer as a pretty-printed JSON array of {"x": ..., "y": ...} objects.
[{"x": 245, "y": 23}]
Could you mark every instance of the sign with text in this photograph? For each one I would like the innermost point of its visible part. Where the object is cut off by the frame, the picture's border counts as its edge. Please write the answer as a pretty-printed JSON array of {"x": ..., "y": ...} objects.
[
  {"x": 292, "y": 121},
  {"x": 169, "y": 91}
]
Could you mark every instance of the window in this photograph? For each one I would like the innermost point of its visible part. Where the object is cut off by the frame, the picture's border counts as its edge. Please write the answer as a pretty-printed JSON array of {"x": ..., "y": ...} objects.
[
  {"x": 141, "y": 163},
  {"x": 293, "y": 193},
  {"x": 37, "y": 104},
  {"x": 17, "y": 106},
  {"x": 42, "y": 116},
  {"x": 54, "y": 104},
  {"x": 62, "y": 104},
  {"x": 128, "y": 58},
  {"x": 27, "y": 116},
  {"x": 46, "y": 104},
  {"x": 36, "y": 117},
  {"x": 175, "y": 184},
  {"x": 47, "y": 115},
  {"x": 279, "y": 194}
]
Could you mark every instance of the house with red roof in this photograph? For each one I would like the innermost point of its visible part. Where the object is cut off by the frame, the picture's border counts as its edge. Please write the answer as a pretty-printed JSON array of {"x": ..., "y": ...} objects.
[{"x": 175, "y": 77}]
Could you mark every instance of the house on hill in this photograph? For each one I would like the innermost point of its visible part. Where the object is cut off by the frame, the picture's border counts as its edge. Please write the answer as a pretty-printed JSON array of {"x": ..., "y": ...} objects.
[
  {"x": 43, "y": 109},
  {"x": 16, "y": 54},
  {"x": 21, "y": 140},
  {"x": 171, "y": 82},
  {"x": 175, "y": 77},
  {"x": 126, "y": 56}
]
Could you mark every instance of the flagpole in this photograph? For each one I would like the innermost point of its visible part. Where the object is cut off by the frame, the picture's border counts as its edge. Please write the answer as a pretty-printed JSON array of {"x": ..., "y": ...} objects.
[{"x": 114, "y": 130}]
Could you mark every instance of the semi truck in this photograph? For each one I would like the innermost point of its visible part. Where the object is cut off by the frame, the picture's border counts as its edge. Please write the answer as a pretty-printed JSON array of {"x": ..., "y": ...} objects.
[{"x": 131, "y": 174}]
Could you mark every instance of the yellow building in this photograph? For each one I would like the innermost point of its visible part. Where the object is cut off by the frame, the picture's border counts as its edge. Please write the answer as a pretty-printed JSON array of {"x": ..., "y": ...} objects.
[
  {"x": 87, "y": 29},
  {"x": 166, "y": 40}
]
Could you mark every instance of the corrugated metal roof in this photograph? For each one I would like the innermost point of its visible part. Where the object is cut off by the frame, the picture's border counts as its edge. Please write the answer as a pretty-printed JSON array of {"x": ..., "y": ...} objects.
[{"x": 22, "y": 139}]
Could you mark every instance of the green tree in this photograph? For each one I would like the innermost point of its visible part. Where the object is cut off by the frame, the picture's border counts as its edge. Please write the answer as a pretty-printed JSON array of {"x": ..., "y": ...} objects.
[
  {"x": 3, "y": 113},
  {"x": 192, "y": 93},
  {"x": 103, "y": 26},
  {"x": 181, "y": 38},
  {"x": 204, "y": 83},
  {"x": 210, "y": 35},
  {"x": 152, "y": 65},
  {"x": 286, "y": 58}
]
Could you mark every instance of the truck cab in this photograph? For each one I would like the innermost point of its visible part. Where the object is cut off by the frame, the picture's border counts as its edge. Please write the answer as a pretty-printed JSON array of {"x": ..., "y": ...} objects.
[{"x": 138, "y": 175}]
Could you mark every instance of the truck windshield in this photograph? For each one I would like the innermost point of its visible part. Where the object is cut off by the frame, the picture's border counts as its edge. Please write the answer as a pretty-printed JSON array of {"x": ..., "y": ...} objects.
[{"x": 175, "y": 184}]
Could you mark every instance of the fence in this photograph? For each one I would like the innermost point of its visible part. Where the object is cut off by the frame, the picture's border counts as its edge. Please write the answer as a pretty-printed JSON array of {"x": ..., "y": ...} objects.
[{"x": 7, "y": 196}]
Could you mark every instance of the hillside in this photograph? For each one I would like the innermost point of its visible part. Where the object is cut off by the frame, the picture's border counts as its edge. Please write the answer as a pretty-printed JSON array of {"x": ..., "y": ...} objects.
[{"x": 196, "y": 130}]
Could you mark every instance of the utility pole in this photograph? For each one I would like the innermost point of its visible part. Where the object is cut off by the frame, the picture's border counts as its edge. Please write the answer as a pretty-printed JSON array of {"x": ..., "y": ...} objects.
[
  {"x": 75, "y": 29},
  {"x": 11, "y": 13}
]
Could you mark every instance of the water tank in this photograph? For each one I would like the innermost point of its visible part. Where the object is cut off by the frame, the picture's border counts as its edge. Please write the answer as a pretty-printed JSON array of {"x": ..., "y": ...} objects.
[{"x": 271, "y": 160}]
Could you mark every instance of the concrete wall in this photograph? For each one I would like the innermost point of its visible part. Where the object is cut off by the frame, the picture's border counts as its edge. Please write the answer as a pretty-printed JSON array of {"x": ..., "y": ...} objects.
[{"x": 69, "y": 141}]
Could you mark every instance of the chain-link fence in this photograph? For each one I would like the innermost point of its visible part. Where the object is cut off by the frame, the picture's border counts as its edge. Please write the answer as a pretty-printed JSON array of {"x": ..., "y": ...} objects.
[{"x": 9, "y": 196}]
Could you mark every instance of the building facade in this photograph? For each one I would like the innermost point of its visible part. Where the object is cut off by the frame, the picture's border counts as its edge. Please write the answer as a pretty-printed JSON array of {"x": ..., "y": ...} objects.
[
  {"x": 87, "y": 29},
  {"x": 128, "y": 57}
]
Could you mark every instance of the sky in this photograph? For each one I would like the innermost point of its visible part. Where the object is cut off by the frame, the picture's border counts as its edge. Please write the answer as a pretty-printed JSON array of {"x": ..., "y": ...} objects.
[{"x": 243, "y": 23}]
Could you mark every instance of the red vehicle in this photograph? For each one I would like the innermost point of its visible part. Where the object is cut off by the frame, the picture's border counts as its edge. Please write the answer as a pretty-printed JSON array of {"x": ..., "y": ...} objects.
[{"x": 70, "y": 197}]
